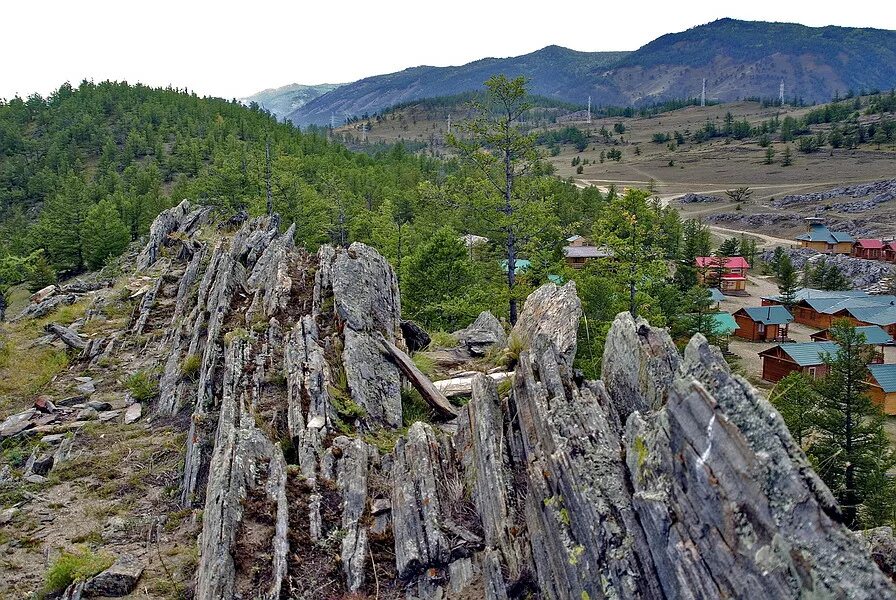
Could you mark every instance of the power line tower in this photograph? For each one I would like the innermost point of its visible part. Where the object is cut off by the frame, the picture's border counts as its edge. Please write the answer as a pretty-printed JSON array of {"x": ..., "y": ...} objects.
[
  {"x": 703, "y": 94},
  {"x": 589, "y": 110},
  {"x": 781, "y": 93}
]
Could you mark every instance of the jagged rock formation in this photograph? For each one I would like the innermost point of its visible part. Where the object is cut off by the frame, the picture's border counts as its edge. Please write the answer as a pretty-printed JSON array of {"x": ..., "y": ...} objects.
[{"x": 670, "y": 478}]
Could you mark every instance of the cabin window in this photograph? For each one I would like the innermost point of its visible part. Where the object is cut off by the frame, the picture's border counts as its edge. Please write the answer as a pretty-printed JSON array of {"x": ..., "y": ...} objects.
[{"x": 812, "y": 372}]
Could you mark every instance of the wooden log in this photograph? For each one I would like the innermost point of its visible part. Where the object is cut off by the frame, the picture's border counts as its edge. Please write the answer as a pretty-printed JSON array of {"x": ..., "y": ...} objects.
[
  {"x": 69, "y": 336},
  {"x": 463, "y": 386},
  {"x": 421, "y": 382}
]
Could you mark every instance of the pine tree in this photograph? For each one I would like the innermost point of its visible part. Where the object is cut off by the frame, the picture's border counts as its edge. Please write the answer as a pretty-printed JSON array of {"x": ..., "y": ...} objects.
[
  {"x": 104, "y": 235},
  {"x": 788, "y": 282},
  {"x": 852, "y": 454},
  {"x": 787, "y": 157},
  {"x": 61, "y": 226},
  {"x": 797, "y": 401}
]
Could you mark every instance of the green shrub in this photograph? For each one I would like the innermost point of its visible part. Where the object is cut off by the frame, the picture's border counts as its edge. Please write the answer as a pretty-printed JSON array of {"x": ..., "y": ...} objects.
[
  {"x": 142, "y": 386},
  {"x": 70, "y": 567}
]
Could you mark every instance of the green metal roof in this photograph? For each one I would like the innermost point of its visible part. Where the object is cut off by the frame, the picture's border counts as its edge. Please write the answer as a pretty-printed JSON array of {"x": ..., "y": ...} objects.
[
  {"x": 769, "y": 315},
  {"x": 724, "y": 323},
  {"x": 818, "y": 232},
  {"x": 806, "y": 354},
  {"x": 874, "y": 335},
  {"x": 885, "y": 376},
  {"x": 521, "y": 265}
]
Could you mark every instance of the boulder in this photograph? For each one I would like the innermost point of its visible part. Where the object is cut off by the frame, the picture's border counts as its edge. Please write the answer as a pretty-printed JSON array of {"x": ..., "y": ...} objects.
[
  {"x": 415, "y": 337},
  {"x": 42, "y": 294},
  {"x": 132, "y": 413},
  {"x": 550, "y": 316},
  {"x": 483, "y": 333},
  {"x": 118, "y": 580}
]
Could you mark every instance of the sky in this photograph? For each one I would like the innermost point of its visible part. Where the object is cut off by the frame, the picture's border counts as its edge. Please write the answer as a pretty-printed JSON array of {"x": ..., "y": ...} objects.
[{"x": 234, "y": 49}]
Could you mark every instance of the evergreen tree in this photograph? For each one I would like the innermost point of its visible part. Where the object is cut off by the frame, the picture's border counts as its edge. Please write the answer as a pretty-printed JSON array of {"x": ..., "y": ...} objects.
[
  {"x": 104, "y": 234},
  {"x": 61, "y": 226},
  {"x": 797, "y": 401},
  {"x": 437, "y": 275},
  {"x": 788, "y": 282},
  {"x": 852, "y": 454},
  {"x": 787, "y": 157},
  {"x": 511, "y": 157}
]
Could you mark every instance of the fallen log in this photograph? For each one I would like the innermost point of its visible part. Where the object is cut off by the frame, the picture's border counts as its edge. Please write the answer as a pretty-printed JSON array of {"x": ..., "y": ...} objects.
[
  {"x": 421, "y": 382},
  {"x": 463, "y": 386}
]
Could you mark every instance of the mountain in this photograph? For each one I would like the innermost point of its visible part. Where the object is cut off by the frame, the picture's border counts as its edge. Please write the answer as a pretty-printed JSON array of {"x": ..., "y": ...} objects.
[
  {"x": 283, "y": 100},
  {"x": 738, "y": 59},
  {"x": 555, "y": 72}
]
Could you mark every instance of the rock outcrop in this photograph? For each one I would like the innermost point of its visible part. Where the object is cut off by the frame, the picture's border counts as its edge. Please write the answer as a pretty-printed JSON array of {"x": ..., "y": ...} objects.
[{"x": 670, "y": 478}]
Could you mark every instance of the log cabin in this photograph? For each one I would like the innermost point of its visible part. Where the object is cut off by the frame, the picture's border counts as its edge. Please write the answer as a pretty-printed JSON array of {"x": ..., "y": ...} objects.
[
  {"x": 780, "y": 361},
  {"x": 868, "y": 249},
  {"x": 729, "y": 274},
  {"x": 762, "y": 323},
  {"x": 874, "y": 336},
  {"x": 882, "y": 387}
]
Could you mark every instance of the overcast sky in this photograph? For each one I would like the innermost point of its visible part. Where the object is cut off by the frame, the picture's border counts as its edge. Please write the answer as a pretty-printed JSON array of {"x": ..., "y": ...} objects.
[{"x": 233, "y": 49}]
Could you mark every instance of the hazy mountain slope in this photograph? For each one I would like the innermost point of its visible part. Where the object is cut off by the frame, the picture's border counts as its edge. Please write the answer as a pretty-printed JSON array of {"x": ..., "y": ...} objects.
[
  {"x": 283, "y": 100},
  {"x": 741, "y": 59},
  {"x": 554, "y": 72},
  {"x": 738, "y": 59}
]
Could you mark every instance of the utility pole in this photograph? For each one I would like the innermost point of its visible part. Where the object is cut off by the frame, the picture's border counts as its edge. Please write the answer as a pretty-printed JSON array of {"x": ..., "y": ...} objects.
[
  {"x": 589, "y": 110},
  {"x": 703, "y": 94},
  {"x": 267, "y": 162},
  {"x": 781, "y": 93},
  {"x": 449, "y": 123}
]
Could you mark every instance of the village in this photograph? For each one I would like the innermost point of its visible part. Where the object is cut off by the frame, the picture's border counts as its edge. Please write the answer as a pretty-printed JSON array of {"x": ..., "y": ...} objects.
[{"x": 767, "y": 340}]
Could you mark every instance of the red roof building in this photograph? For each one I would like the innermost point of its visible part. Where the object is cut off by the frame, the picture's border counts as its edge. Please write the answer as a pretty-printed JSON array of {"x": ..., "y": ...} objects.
[
  {"x": 868, "y": 249},
  {"x": 728, "y": 274}
]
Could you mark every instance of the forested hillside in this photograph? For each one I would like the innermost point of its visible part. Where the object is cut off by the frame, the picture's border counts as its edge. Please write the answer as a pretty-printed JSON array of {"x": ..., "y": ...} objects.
[{"x": 739, "y": 59}]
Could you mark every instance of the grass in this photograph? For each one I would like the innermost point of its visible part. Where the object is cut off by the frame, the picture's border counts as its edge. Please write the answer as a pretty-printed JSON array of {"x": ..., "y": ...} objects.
[
  {"x": 70, "y": 567},
  {"x": 142, "y": 386},
  {"x": 442, "y": 339},
  {"x": 426, "y": 364},
  {"x": 414, "y": 408},
  {"x": 24, "y": 372},
  {"x": 190, "y": 366}
]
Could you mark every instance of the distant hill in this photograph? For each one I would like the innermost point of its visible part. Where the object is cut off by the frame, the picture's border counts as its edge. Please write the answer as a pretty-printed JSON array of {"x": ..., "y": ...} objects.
[
  {"x": 282, "y": 101},
  {"x": 739, "y": 59}
]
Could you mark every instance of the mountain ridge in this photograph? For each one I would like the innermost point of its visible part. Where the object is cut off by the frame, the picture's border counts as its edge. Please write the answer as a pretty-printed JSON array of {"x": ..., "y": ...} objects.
[{"x": 739, "y": 59}]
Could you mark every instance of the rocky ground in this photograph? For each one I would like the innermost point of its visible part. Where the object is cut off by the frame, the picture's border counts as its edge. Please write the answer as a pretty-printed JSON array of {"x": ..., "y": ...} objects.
[
  {"x": 870, "y": 275},
  {"x": 288, "y": 446}
]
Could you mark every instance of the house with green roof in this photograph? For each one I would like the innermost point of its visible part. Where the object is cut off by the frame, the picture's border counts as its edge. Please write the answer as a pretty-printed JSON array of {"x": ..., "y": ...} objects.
[
  {"x": 762, "y": 323},
  {"x": 882, "y": 386},
  {"x": 808, "y": 358},
  {"x": 821, "y": 239},
  {"x": 874, "y": 336}
]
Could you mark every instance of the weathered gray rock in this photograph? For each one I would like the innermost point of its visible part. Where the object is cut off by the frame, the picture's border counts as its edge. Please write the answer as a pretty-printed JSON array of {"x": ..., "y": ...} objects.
[
  {"x": 118, "y": 580},
  {"x": 416, "y": 511},
  {"x": 246, "y": 492},
  {"x": 133, "y": 413},
  {"x": 639, "y": 364},
  {"x": 183, "y": 218},
  {"x": 351, "y": 478},
  {"x": 716, "y": 475},
  {"x": 42, "y": 309},
  {"x": 483, "y": 333},
  {"x": 550, "y": 316},
  {"x": 881, "y": 545},
  {"x": 17, "y": 423}
]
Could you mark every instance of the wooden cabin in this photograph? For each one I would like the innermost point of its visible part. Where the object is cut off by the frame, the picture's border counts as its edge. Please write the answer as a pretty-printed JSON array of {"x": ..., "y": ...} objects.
[
  {"x": 821, "y": 239},
  {"x": 780, "y": 361},
  {"x": 882, "y": 387},
  {"x": 868, "y": 249},
  {"x": 762, "y": 323},
  {"x": 820, "y": 308},
  {"x": 729, "y": 274},
  {"x": 579, "y": 251},
  {"x": 890, "y": 251},
  {"x": 874, "y": 336}
]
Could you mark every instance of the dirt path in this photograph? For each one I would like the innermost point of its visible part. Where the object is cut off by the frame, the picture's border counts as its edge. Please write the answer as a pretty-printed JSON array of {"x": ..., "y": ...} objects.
[{"x": 768, "y": 241}]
